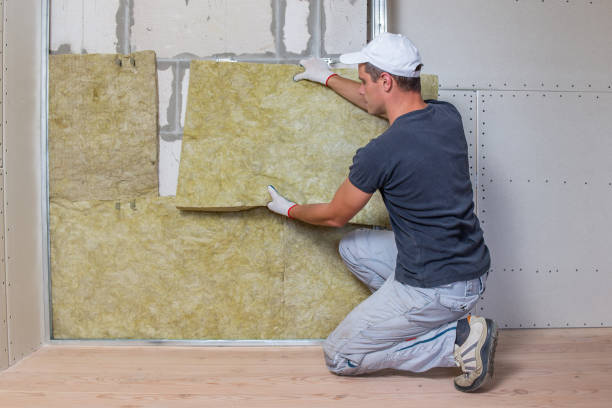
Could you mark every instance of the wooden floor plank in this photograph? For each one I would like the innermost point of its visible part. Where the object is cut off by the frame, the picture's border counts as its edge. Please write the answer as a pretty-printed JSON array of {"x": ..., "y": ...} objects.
[{"x": 534, "y": 368}]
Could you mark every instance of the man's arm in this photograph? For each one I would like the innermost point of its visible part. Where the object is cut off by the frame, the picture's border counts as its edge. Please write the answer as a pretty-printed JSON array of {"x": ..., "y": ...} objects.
[
  {"x": 347, "y": 202},
  {"x": 348, "y": 89},
  {"x": 317, "y": 70}
]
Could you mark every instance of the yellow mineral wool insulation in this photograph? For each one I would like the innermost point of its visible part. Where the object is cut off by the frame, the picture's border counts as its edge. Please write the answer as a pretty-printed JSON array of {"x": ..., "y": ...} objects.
[
  {"x": 143, "y": 269},
  {"x": 249, "y": 125},
  {"x": 319, "y": 289},
  {"x": 103, "y": 126},
  {"x": 152, "y": 272}
]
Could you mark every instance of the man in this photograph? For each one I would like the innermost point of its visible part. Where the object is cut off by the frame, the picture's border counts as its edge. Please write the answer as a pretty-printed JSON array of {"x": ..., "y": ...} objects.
[{"x": 428, "y": 273}]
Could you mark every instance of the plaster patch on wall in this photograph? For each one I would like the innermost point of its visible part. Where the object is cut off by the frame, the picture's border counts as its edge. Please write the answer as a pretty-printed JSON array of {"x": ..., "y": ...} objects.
[
  {"x": 345, "y": 25},
  {"x": 169, "y": 159},
  {"x": 295, "y": 28},
  {"x": 315, "y": 28},
  {"x": 63, "y": 49},
  {"x": 184, "y": 90},
  {"x": 124, "y": 22},
  {"x": 166, "y": 84},
  {"x": 203, "y": 28}
]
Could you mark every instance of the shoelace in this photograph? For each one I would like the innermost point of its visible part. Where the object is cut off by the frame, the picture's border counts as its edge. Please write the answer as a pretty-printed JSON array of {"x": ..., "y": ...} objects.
[
  {"x": 459, "y": 360},
  {"x": 461, "y": 363}
]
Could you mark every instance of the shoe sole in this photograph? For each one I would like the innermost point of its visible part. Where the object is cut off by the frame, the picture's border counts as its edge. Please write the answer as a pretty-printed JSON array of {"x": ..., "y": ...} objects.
[{"x": 487, "y": 355}]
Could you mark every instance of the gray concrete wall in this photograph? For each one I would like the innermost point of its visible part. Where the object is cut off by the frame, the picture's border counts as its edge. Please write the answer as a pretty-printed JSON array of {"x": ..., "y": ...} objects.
[{"x": 270, "y": 31}]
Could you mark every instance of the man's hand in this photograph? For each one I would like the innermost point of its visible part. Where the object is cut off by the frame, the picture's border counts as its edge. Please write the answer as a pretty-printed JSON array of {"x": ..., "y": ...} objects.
[
  {"x": 347, "y": 202},
  {"x": 315, "y": 70},
  {"x": 279, "y": 204}
]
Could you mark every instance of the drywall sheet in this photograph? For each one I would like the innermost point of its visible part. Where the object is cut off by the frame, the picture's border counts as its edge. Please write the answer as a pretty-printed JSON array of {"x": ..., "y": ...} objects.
[
  {"x": 22, "y": 62},
  {"x": 144, "y": 269},
  {"x": 1, "y": 86},
  {"x": 4, "y": 355},
  {"x": 545, "y": 193},
  {"x": 250, "y": 125},
  {"x": 102, "y": 126},
  {"x": 483, "y": 44},
  {"x": 465, "y": 102}
]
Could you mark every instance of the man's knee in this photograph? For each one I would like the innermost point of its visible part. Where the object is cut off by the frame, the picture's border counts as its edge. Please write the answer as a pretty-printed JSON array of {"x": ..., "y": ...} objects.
[
  {"x": 347, "y": 247},
  {"x": 332, "y": 364},
  {"x": 337, "y": 363}
]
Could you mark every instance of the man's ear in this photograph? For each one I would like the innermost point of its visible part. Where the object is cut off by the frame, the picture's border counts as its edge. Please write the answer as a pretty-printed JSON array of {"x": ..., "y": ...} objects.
[{"x": 386, "y": 81}]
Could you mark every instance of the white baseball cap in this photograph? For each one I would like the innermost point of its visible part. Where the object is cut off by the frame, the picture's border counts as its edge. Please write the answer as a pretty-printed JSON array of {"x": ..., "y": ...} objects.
[{"x": 393, "y": 53}]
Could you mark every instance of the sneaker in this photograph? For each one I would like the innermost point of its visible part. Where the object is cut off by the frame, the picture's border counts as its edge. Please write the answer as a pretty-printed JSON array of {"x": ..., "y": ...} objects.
[{"x": 475, "y": 355}]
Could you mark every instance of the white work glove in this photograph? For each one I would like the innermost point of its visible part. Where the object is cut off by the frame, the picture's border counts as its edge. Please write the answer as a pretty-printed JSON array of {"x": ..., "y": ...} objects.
[
  {"x": 315, "y": 70},
  {"x": 279, "y": 204}
]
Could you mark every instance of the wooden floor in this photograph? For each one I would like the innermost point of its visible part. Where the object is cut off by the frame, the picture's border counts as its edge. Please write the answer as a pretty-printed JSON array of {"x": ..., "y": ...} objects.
[{"x": 534, "y": 368}]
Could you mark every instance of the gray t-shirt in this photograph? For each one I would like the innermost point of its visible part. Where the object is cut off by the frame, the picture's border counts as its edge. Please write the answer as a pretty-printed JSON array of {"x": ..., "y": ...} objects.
[{"x": 420, "y": 165}]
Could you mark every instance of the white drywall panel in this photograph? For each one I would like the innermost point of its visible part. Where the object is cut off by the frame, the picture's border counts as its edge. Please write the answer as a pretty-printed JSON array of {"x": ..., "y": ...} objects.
[
  {"x": 511, "y": 44},
  {"x": 545, "y": 193},
  {"x": 4, "y": 357},
  {"x": 465, "y": 102},
  {"x": 23, "y": 204},
  {"x": 345, "y": 25},
  {"x": 1, "y": 114},
  {"x": 295, "y": 29},
  {"x": 202, "y": 28},
  {"x": 84, "y": 26}
]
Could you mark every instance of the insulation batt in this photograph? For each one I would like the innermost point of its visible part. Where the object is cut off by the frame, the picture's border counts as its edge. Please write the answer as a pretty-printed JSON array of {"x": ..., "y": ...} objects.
[
  {"x": 143, "y": 269},
  {"x": 102, "y": 126},
  {"x": 249, "y": 125}
]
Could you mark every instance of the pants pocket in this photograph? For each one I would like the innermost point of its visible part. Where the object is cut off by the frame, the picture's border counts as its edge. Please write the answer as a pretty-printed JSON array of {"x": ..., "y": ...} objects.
[
  {"x": 458, "y": 304},
  {"x": 441, "y": 310}
]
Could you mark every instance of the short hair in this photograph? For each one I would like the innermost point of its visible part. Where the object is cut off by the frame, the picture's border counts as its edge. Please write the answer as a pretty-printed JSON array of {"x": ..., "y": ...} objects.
[{"x": 405, "y": 83}]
